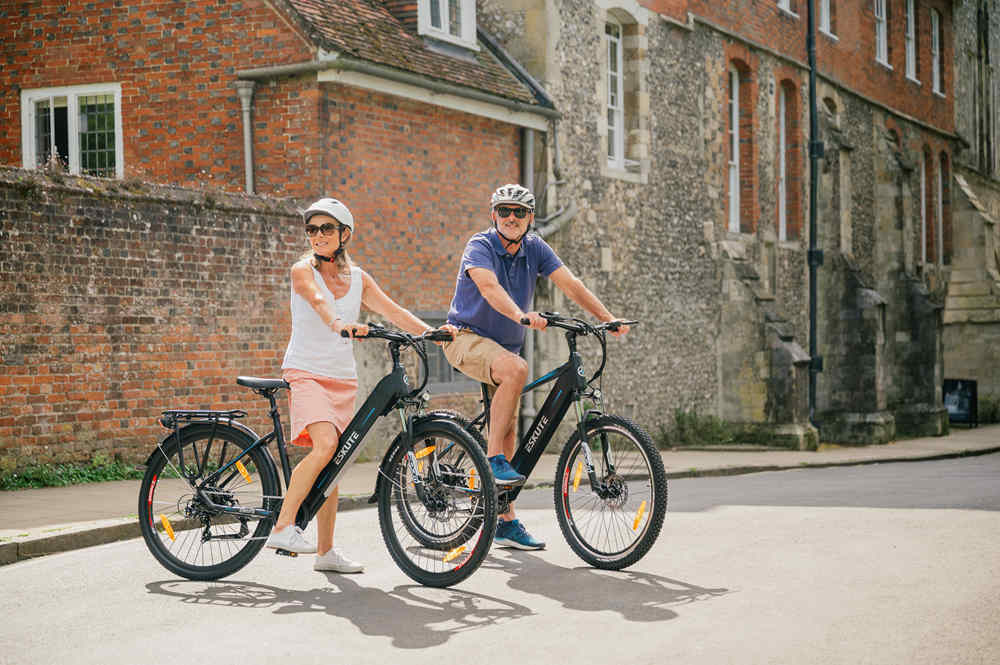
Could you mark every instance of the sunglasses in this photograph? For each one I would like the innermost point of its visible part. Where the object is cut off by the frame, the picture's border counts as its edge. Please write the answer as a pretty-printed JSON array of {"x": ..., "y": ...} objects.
[
  {"x": 328, "y": 229},
  {"x": 505, "y": 211}
]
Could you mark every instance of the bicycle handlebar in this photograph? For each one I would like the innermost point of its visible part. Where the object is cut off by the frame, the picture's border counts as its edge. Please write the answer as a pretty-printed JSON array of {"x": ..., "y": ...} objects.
[
  {"x": 397, "y": 338},
  {"x": 578, "y": 326}
]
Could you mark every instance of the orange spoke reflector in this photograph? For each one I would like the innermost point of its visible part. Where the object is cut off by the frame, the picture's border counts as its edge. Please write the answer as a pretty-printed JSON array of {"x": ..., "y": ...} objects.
[
  {"x": 472, "y": 479},
  {"x": 425, "y": 452},
  {"x": 454, "y": 553},
  {"x": 638, "y": 515},
  {"x": 243, "y": 472},
  {"x": 576, "y": 478},
  {"x": 166, "y": 526}
]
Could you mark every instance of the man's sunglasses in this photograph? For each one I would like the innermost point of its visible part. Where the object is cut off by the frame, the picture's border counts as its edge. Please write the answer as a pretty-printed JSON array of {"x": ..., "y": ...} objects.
[
  {"x": 505, "y": 211},
  {"x": 328, "y": 229}
]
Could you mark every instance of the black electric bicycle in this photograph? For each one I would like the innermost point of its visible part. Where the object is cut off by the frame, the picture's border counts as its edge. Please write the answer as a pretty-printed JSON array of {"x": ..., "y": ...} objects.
[
  {"x": 211, "y": 492},
  {"x": 610, "y": 488}
]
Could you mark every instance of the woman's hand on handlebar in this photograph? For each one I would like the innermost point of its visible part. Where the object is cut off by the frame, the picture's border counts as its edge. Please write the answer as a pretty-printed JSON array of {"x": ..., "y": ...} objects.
[
  {"x": 534, "y": 320},
  {"x": 617, "y": 327},
  {"x": 352, "y": 329}
]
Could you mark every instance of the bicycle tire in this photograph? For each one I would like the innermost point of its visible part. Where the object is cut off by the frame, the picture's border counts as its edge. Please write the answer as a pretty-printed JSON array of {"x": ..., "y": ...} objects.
[
  {"x": 442, "y": 537},
  {"x": 174, "y": 524},
  {"x": 628, "y": 519}
]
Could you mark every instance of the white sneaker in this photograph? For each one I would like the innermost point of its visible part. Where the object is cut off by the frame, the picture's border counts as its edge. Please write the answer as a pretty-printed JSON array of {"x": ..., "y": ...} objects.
[
  {"x": 292, "y": 539},
  {"x": 336, "y": 562}
]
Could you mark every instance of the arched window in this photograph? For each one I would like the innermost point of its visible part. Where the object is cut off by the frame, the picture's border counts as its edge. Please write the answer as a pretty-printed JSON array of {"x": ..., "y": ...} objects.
[
  {"x": 740, "y": 148},
  {"x": 789, "y": 163},
  {"x": 624, "y": 120},
  {"x": 928, "y": 209},
  {"x": 616, "y": 94}
]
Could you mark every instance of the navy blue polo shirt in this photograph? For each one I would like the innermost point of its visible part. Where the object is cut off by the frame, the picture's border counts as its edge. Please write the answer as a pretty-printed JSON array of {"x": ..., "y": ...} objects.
[{"x": 517, "y": 275}]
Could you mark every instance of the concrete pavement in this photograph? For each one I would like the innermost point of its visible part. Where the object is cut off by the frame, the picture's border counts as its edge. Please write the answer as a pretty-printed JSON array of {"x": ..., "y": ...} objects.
[{"x": 45, "y": 521}]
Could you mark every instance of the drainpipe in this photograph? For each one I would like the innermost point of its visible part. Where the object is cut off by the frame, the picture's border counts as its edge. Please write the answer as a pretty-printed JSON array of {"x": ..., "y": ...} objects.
[
  {"x": 528, "y": 177},
  {"x": 245, "y": 90},
  {"x": 815, "y": 256}
]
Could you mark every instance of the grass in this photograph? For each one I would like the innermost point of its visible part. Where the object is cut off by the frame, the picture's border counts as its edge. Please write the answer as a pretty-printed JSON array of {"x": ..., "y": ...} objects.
[
  {"x": 693, "y": 429},
  {"x": 100, "y": 469}
]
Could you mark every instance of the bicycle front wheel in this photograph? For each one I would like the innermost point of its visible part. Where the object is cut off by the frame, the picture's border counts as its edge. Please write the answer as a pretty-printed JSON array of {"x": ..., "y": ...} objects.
[
  {"x": 437, "y": 510},
  {"x": 612, "y": 522},
  {"x": 189, "y": 537}
]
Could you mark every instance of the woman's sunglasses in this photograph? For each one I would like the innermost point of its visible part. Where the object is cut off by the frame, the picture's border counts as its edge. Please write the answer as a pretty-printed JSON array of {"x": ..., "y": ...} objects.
[
  {"x": 505, "y": 211},
  {"x": 328, "y": 229}
]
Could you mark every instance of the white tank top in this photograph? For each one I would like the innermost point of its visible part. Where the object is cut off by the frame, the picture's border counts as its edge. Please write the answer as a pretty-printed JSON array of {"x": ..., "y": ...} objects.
[{"x": 314, "y": 347}]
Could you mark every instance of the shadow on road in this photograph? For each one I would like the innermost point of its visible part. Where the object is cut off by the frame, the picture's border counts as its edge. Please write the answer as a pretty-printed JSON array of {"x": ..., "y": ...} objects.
[
  {"x": 415, "y": 617},
  {"x": 635, "y": 595}
]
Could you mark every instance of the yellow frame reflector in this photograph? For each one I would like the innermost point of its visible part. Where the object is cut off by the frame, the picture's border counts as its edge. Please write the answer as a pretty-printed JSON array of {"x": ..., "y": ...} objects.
[
  {"x": 638, "y": 515},
  {"x": 576, "y": 478},
  {"x": 166, "y": 526},
  {"x": 472, "y": 479},
  {"x": 425, "y": 452},
  {"x": 454, "y": 553},
  {"x": 243, "y": 472}
]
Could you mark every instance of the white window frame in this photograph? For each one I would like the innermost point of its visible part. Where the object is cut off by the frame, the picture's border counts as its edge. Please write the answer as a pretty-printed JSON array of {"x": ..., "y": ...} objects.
[
  {"x": 881, "y": 33},
  {"x": 939, "y": 210},
  {"x": 782, "y": 166},
  {"x": 923, "y": 208},
  {"x": 936, "y": 51},
  {"x": 824, "y": 17},
  {"x": 911, "y": 40},
  {"x": 734, "y": 150},
  {"x": 616, "y": 146},
  {"x": 29, "y": 158},
  {"x": 786, "y": 6},
  {"x": 467, "y": 29}
]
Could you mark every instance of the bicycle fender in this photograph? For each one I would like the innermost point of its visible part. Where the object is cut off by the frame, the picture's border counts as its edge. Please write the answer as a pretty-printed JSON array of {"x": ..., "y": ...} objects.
[
  {"x": 383, "y": 470},
  {"x": 248, "y": 435}
]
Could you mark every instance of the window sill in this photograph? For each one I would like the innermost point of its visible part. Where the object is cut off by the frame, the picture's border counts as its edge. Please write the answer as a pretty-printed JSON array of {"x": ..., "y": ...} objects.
[
  {"x": 884, "y": 64},
  {"x": 443, "y": 36},
  {"x": 621, "y": 174},
  {"x": 938, "y": 93},
  {"x": 788, "y": 13},
  {"x": 829, "y": 35},
  {"x": 913, "y": 80}
]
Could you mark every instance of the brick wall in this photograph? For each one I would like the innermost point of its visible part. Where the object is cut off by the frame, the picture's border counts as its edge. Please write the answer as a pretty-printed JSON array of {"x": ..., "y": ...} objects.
[{"x": 176, "y": 63}]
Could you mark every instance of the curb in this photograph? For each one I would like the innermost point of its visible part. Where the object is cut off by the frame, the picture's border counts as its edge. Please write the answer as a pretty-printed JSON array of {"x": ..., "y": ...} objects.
[{"x": 33, "y": 548}]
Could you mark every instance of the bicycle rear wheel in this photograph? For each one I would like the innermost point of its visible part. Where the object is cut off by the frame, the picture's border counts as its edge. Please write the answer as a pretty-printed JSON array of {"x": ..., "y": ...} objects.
[
  {"x": 613, "y": 523},
  {"x": 185, "y": 535},
  {"x": 438, "y": 531}
]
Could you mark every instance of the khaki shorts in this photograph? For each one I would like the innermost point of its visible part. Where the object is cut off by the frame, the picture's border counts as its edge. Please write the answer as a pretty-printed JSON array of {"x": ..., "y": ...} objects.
[{"x": 473, "y": 356}]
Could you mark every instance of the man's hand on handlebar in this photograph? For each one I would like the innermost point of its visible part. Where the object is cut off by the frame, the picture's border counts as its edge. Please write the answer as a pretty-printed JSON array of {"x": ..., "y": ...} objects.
[
  {"x": 534, "y": 320},
  {"x": 618, "y": 330},
  {"x": 437, "y": 337}
]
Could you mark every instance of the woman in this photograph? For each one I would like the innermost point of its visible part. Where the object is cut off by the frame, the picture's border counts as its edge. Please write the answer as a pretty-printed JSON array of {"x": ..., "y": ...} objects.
[{"x": 328, "y": 290}]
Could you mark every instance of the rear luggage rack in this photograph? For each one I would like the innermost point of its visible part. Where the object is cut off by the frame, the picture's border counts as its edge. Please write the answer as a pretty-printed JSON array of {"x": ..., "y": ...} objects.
[{"x": 171, "y": 418}]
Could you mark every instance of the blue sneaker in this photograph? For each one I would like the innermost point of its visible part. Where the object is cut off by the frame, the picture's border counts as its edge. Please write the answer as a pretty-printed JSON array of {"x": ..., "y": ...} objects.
[
  {"x": 503, "y": 472},
  {"x": 513, "y": 534}
]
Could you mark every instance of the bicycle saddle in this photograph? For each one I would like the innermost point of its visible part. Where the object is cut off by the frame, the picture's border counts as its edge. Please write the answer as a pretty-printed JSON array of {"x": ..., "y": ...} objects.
[{"x": 261, "y": 384}]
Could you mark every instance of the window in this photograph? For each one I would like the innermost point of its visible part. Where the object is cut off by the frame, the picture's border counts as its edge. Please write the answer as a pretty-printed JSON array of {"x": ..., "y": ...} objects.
[
  {"x": 939, "y": 215},
  {"x": 448, "y": 20},
  {"x": 616, "y": 109},
  {"x": 881, "y": 32},
  {"x": 911, "y": 40},
  {"x": 734, "y": 150},
  {"x": 788, "y": 6},
  {"x": 924, "y": 239},
  {"x": 442, "y": 377},
  {"x": 79, "y": 126},
  {"x": 944, "y": 209},
  {"x": 936, "y": 51},
  {"x": 782, "y": 164},
  {"x": 826, "y": 16}
]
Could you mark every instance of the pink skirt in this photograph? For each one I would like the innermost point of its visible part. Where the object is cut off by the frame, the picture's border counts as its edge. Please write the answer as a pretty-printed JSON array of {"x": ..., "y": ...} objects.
[{"x": 314, "y": 398}]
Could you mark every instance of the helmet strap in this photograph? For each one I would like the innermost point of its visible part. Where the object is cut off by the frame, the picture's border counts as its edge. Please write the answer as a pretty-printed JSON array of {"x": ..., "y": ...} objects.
[
  {"x": 337, "y": 252},
  {"x": 508, "y": 242}
]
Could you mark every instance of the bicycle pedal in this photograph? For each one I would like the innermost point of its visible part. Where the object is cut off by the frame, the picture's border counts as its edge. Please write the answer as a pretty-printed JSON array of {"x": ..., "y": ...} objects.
[{"x": 286, "y": 553}]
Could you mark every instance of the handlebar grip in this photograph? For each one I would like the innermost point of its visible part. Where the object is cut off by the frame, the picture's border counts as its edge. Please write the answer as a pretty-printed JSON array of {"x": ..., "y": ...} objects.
[
  {"x": 345, "y": 333},
  {"x": 439, "y": 336},
  {"x": 525, "y": 321}
]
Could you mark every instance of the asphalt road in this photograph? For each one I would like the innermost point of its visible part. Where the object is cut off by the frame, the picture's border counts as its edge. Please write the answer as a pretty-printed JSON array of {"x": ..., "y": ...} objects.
[{"x": 893, "y": 564}]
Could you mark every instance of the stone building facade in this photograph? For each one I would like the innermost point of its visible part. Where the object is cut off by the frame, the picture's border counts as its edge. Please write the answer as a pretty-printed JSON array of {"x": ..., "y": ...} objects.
[
  {"x": 972, "y": 307},
  {"x": 702, "y": 231}
]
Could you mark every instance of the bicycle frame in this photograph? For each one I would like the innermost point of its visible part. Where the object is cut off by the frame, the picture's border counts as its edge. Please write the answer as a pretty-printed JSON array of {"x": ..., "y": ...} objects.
[{"x": 570, "y": 384}]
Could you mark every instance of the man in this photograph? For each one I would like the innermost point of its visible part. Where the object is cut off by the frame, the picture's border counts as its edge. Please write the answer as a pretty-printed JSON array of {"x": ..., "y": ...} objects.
[{"x": 495, "y": 285}]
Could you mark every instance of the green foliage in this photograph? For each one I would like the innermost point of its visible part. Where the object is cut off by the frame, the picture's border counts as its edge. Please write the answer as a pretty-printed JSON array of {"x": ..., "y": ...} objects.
[
  {"x": 100, "y": 468},
  {"x": 989, "y": 410},
  {"x": 693, "y": 429}
]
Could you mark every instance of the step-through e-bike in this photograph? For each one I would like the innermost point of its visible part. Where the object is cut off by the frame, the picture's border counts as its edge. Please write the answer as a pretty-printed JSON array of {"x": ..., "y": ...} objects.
[
  {"x": 211, "y": 490},
  {"x": 610, "y": 489}
]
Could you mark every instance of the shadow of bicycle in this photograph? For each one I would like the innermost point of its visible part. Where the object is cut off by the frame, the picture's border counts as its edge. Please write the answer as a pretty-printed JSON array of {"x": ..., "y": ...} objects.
[
  {"x": 414, "y": 617},
  {"x": 637, "y": 596}
]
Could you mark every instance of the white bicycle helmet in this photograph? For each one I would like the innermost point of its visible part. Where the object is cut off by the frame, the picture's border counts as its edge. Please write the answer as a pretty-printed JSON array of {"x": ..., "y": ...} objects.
[
  {"x": 514, "y": 195},
  {"x": 332, "y": 208}
]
